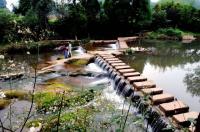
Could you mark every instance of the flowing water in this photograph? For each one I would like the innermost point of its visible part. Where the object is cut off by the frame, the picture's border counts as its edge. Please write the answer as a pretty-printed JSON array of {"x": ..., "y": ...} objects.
[{"x": 173, "y": 66}]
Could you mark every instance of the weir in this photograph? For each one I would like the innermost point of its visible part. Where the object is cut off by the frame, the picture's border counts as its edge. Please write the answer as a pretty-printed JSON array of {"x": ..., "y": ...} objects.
[{"x": 160, "y": 110}]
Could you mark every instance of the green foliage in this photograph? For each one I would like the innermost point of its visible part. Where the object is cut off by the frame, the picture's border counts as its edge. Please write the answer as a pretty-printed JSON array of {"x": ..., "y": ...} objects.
[
  {"x": 7, "y": 24},
  {"x": 50, "y": 101},
  {"x": 166, "y": 33},
  {"x": 178, "y": 15},
  {"x": 78, "y": 120}
]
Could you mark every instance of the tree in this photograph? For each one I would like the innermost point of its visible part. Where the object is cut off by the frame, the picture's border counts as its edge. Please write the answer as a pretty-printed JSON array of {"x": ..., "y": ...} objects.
[
  {"x": 92, "y": 9},
  {"x": 7, "y": 25},
  {"x": 24, "y": 6}
]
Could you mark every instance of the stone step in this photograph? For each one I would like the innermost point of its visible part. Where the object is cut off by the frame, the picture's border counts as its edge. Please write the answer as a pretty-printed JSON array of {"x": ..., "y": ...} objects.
[
  {"x": 103, "y": 55},
  {"x": 111, "y": 59},
  {"x": 136, "y": 79},
  {"x": 115, "y": 61},
  {"x": 122, "y": 67},
  {"x": 152, "y": 91},
  {"x": 130, "y": 74},
  {"x": 108, "y": 57},
  {"x": 161, "y": 98},
  {"x": 122, "y": 71},
  {"x": 183, "y": 118},
  {"x": 173, "y": 108},
  {"x": 117, "y": 64},
  {"x": 144, "y": 85}
]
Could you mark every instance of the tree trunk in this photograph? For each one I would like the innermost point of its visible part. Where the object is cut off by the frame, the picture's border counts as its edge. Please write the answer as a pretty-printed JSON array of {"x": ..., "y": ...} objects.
[{"x": 197, "y": 129}]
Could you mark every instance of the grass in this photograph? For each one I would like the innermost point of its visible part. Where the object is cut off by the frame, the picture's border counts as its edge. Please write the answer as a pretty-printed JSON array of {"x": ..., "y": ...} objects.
[
  {"x": 78, "y": 120},
  {"x": 4, "y": 103},
  {"x": 50, "y": 101}
]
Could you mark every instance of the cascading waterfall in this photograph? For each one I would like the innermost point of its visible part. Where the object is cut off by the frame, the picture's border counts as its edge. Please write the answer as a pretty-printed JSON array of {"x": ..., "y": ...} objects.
[{"x": 153, "y": 118}]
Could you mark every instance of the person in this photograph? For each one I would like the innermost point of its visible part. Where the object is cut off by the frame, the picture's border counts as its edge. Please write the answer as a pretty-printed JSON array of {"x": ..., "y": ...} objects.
[
  {"x": 70, "y": 50},
  {"x": 66, "y": 52}
]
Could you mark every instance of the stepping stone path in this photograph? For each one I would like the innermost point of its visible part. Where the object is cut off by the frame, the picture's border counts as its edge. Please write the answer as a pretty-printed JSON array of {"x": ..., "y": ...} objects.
[
  {"x": 130, "y": 74},
  {"x": 122, "y": 67},
  {"x": 136, "y": 79},
  {"x": 166, "y": 103},
  {"x": 115, "y": 61},
  {"x": 111, "y": 59},
  {"x": 118, "y": 64},
  {"x": 144, "y": 84},
  {"x": 161, "y": 98},
  {"x": 152, "y": 91},
  {"x": 126, "y": 71},
  {"x": 173, "y": 108},
  {"x": 184, "y": 117}
]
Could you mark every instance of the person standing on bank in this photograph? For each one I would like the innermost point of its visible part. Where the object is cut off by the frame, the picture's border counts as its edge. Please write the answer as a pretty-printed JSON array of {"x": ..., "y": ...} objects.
[
  {"x": 70, "y": 50},
  {"x": 66, "y": 52}
]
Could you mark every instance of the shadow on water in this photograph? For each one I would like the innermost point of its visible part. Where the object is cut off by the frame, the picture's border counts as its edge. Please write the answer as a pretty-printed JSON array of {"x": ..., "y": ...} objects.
[{"x": 174, "y": 66}]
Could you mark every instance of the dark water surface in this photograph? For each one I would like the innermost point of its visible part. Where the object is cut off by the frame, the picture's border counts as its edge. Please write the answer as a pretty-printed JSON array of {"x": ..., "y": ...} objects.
[{"x": 173, "y": 66}]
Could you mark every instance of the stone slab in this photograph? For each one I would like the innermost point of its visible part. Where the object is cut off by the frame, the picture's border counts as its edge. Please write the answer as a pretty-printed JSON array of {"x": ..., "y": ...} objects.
[
  {"x": 144, "y": 84},
  {"x": 102, "y": 55},
  {"x": 130, "y": 74},
  {"x": 115, "y": 61},
  {"x": 161, "y": 98},
  {"x": 172, "y": 108},
  {"x": 108, "y": 57},
  {"x": 122, "y": 67},
  {"x": 136, "y": 79},
  {"x": 152, "y": 91},
  {"x": 117, "y": 64},
  {"x": 122, "y": 71},
  {"x": 111, "y": 59},
  {"x": 181, "y": 118}
]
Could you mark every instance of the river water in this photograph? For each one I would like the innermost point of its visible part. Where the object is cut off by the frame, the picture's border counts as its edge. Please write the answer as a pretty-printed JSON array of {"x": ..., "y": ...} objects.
[{"x": 173, "y": 66}]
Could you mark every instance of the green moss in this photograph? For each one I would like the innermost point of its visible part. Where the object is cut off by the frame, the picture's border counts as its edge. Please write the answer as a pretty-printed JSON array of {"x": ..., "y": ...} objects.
[
  {"x": 11, "y": 94},
  {"x": 34, "y": 123},
  {"x": 78, "y": 62},
  {"x": 4, "y": 103}
]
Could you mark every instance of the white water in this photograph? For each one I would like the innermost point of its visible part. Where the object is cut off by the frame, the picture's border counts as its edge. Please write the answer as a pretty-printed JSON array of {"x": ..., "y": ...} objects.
[{"x": 92, "y": 67}]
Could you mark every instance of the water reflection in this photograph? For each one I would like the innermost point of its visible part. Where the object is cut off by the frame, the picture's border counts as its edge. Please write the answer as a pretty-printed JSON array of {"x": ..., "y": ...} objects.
[
  {"x": 192, "y": 80},
  {"x": 173, "y": 66}
]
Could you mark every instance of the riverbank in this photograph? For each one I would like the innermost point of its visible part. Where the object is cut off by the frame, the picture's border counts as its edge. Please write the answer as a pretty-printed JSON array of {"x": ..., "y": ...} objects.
[{"x": 172, "y": 34}]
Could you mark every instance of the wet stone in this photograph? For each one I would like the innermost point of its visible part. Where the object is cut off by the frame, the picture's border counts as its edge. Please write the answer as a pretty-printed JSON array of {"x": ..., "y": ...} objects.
[
  {"x": 115, "y": 61},
  {"x": 152, "y": 91},
  {"x": 144, "y": 85},
  {"x": 130, "y": 74},
  {"x": 122, "y": 67},
  {"x": 182, "y": 118},
  {"x": 173, "y": 108},
  {"x": 118, "y": 64},
  {"x": 162, "y": 98},
  {"x": 111, "y": 59},
  {"x": 108, "y": 57},
  {"x": 136, "y": 79},
  {"x": 126, "y": 71}
]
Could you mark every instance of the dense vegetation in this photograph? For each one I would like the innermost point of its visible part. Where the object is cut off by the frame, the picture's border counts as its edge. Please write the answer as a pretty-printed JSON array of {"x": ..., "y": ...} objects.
[{"x": 46, "y": 19}]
